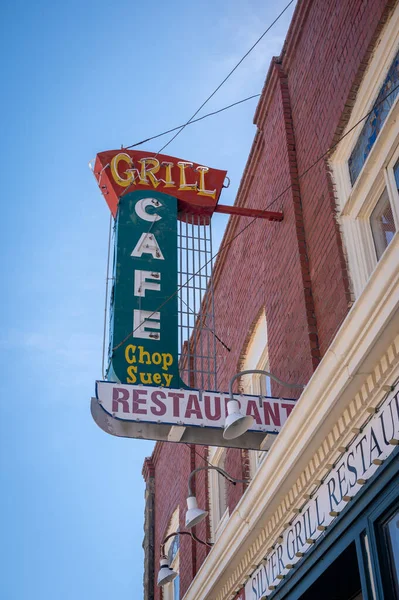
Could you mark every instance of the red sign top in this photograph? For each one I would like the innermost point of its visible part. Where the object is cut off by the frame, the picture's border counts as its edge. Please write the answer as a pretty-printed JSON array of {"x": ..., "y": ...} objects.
[{"x": 196, "y": 187}]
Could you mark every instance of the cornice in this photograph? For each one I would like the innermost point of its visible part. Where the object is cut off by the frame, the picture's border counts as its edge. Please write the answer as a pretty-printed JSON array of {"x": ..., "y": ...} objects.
[
  {"x": 267, "y": 93},
  {"x": 295, "y": 32},
  {"x": 148, "y": 470}
]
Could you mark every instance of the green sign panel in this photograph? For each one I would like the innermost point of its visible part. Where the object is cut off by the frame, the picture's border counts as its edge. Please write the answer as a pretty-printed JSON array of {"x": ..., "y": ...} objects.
[{"x": 143, "y": 334}]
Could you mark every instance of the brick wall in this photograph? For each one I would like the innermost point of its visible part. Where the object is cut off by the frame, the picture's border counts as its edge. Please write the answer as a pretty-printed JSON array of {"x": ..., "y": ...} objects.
[
  {"x": 149, "y": 530},
  {"x": 295, "y": 269},
  {"x": 172, "y": 465},
  {"x": 325, "y": 63}
]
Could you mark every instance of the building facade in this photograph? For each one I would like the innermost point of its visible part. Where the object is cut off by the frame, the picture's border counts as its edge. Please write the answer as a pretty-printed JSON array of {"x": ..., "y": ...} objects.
[{"x": 313, "y": 299}]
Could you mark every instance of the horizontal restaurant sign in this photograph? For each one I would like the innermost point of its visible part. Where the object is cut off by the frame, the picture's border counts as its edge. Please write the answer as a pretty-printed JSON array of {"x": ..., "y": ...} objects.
[
  {"x": 188, "y": 407},
  {"x": 368, "y": 450}
]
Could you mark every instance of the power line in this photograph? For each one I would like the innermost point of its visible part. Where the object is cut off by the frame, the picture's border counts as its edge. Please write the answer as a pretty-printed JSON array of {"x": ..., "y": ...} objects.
[
  {"x": 227, "y": 244},
  {"x": 226, "y": 78},
  {"x": 215, "y": 112}
]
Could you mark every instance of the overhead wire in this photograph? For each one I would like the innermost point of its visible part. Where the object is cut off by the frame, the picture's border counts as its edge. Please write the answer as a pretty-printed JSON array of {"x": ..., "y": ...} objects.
[
  {"x": 226, "y": 78},
  {"x": 227, "y": 244},
  {"x": 211, "y": 114}
]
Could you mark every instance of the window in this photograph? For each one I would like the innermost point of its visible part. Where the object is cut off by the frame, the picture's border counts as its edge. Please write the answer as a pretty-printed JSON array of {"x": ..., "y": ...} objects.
[
  {"x": 219, "y": 512},
  {"x": 365, "y": 164},
  {"x": 171, "y": 591},
  {"x": 176, "y": 587},
  {"x": 368, "y": 566},
  {"x": 340, "y": 581},
  {"x": 173, "y": 548},
  {"x": 392, "y": 534},
  {"x": 375, "y": 121},
  {"x": 382, "y": 224},
  {"x": 390, "y": 551},
  {"x": 257, "y": 357}
]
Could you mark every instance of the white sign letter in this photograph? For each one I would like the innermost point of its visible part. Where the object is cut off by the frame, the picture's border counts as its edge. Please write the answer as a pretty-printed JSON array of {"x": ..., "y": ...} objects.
[
  {"x": 141, "y": 285},
  {"x": 143, "y": 319},
  {"x": 147, "y": 244},
  {"x": 141, "y": 206}
]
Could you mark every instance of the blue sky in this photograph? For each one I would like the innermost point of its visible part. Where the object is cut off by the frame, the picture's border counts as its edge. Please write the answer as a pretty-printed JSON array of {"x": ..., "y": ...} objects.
[{"x": 79, "y": 78}]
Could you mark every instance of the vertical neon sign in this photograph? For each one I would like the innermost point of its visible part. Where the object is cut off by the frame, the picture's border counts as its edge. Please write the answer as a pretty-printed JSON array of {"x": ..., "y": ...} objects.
[
  {"x": 143, "y": 340},
  {"x": 146, "y": 196}
]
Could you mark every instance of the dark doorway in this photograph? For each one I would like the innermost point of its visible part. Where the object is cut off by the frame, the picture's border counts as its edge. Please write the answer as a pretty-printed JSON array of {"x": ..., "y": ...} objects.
[{"x": 340, "y": 581}]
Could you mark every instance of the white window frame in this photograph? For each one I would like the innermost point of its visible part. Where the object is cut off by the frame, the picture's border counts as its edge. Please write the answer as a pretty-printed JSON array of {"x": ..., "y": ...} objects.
[
  {"x": 217, "y": 487},
  {"x": 168, "y": 589},
  {"x": 355, "y": 204},
  {"x": 257, "y": 357}
]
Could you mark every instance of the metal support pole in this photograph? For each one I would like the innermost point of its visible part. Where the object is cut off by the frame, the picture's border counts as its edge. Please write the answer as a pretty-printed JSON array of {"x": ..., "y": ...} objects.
[
  {"x": 260, "y": 372},
  {"x": 221, "y": 471},
  {"x": 163, "y": 555}
]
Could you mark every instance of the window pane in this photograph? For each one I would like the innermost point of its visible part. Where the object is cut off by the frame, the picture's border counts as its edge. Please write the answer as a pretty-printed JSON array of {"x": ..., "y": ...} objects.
[
  {"x": 368, "y": 567},
  {"x": 392, "y": 533},
  {"x": 176, "y": 588},
  {"x": 382, "y": 224},
  {"x": 373, "y": 125},
  {"x": 265, "y": 389},
  {"x": 396, "y": 173},
  {"x": 174, "y": 548}
]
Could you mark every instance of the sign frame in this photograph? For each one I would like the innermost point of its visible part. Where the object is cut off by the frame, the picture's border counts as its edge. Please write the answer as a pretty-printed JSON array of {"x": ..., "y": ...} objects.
[{"x": 156, "y": 416}]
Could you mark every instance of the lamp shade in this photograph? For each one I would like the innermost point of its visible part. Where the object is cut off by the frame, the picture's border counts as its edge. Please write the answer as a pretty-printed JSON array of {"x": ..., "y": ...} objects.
[
  {"x": 165, "y": 573},
  {"x": 194, "y": 514},
  {"x": 236, "y": 423}
]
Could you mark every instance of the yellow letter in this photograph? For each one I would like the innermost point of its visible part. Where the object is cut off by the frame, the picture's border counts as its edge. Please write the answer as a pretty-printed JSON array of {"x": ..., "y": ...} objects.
[
  {"x": 183, "y": 183},
  {"x": 144, "y": 357},
  {"x": 149, "y": 171},
  {"x": 168, "y": 378},
  {"x": 168, "y": 175},
  {"x": 114, "y": 170},
  {"x": 146, "y": 378},
  {"x": 167, "y": 360},
  {"x": 131, "y": 371},
  {"x": 129, "y": 354},
  {"x": 156, "y": 358},
  {"x": 202, "y": 191},
  {"x": 157, "y": 378}
]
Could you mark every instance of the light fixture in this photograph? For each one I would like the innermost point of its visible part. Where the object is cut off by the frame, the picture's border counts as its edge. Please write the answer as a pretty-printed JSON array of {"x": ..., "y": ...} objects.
[
  {"x": 165, "y": 573},
  {"x": 236, "y": 423},
  {"x": 195, "y": 515}
]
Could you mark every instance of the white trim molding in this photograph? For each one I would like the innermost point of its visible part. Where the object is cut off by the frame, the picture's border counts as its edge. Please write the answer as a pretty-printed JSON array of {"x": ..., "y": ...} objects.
[
  {"x": 217, "y": 493},
  {"x": 356, "y": 203}
]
